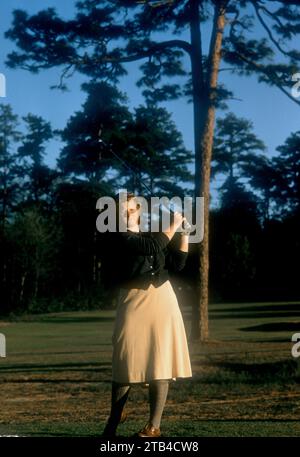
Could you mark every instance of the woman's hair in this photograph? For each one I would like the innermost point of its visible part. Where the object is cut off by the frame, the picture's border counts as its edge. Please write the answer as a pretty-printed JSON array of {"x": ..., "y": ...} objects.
[{"x": 129, "y": 196}]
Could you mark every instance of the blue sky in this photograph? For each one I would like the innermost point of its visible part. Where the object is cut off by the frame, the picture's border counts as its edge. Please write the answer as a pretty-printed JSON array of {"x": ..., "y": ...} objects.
[{"x": 274, "y": 116}]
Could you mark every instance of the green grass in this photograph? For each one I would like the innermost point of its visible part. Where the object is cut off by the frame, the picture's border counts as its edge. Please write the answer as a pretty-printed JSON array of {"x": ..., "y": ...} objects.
[
  {"x": 180, "y": 428},
  {"x": 55, "y": 380}
]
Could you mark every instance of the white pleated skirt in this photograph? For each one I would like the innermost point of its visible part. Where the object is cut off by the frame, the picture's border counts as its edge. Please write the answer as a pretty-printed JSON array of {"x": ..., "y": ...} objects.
[{"x": 149, "y": 338}]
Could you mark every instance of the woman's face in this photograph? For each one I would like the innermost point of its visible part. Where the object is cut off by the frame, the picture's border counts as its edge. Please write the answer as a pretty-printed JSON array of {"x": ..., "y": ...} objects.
[{"x": 131, "y": 212}]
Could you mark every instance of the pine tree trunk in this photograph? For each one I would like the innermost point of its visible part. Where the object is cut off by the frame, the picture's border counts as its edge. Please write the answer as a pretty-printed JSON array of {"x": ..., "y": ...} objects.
[
  {"x": 204, "y": 118},
  {"x": 23, "y": 279}
]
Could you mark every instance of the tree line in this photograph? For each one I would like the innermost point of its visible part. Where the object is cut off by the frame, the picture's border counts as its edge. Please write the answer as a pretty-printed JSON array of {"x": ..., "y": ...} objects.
[
  {"x": 247, "y": 38},
  {"x": 50, "y": 258}
]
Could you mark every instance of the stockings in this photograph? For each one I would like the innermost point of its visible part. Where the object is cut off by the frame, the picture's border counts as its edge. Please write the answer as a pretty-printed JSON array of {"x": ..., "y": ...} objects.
[
  {"x": 158, "y": 391},
  {"x": 119, "y": 395}
]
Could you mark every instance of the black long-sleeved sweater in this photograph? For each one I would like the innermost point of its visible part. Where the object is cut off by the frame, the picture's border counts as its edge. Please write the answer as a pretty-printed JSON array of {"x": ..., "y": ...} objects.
[{"x": 138, "y": 259}]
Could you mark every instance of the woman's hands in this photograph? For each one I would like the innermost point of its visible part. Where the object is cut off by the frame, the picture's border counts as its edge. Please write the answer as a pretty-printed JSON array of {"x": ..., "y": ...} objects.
[{"x": 178, "y": 220}]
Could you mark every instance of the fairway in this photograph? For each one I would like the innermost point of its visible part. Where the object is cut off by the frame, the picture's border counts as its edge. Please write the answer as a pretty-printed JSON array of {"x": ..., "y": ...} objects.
[{"x": 55, "y": 380}]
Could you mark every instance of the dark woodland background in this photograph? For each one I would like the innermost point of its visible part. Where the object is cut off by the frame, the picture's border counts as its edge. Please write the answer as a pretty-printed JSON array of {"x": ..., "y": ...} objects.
[{"x": 49, "y": 250}]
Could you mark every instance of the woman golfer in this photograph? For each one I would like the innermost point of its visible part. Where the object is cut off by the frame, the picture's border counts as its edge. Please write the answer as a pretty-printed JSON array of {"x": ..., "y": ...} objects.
[{"x": 149, "y": 340}]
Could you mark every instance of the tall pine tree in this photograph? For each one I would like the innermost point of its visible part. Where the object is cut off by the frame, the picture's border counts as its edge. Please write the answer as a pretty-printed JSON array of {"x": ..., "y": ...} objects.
[{"x": 106, "y": 34}]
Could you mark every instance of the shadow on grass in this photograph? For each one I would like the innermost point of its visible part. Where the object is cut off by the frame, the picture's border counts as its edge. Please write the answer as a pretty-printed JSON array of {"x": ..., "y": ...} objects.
[
  {"x": 273, "y": 327},
  {"x": 179, "y": 428},
  {"x": 38, "y": 368},
  {"x": 69, "y": 320},
  {"x": 55, "y": 381},
  {"x": 271, "y": 340},
  {"x": 259, "y": 308},
  {"x": 254, "y": 315},
  {"x": 257, "y": 373}
]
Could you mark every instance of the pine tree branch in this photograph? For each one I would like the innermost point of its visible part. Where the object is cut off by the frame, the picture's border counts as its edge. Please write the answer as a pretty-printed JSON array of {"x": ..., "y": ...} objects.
[
  {"x": 262, "y": 70},
  {"x": 152, "y": 49},
  {"x": 227, "y": 69},
  {"x": 289, "y": 2},
  {"x": 265, "y": 26},
  {"x": 269, "y": 13}
]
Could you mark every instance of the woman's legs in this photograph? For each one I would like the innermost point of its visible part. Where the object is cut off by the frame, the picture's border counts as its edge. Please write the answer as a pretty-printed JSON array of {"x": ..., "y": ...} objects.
[
  {"x": 119, "y": 395},
  {"x": 158, "y": 391}
]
